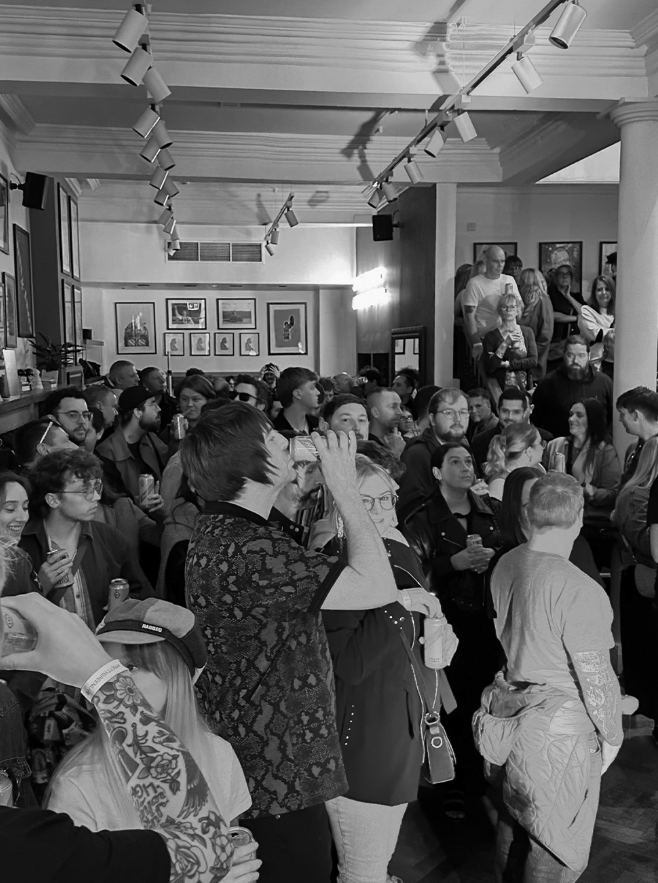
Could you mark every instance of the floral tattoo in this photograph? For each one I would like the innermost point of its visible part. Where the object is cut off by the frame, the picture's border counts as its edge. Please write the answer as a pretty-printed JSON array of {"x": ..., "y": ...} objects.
[{"x": 601, "y": 693}]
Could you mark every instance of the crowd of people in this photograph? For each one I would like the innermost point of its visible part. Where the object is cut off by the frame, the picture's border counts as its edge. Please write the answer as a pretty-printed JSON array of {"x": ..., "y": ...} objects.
[{"x": 285, "y": 546}]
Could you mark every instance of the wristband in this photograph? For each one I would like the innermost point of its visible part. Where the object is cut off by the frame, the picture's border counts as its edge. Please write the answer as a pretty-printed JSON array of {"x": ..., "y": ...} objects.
[
  {"x": 100, "y": 677},
  {"x": 406, "y": 599}
]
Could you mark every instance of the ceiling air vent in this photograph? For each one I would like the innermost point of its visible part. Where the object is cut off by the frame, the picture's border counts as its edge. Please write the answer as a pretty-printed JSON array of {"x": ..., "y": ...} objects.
[
  {"x": 188, "y": 251},
  {"x": 214, "y": 251},
  {"x": 247, "y": 252},
  {"x": 219, "y": 252}
]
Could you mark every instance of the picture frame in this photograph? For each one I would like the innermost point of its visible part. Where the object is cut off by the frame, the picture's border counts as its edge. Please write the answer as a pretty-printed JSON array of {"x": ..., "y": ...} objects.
[
  {"x": 224, "y": 343},
  {"x": 287, "y": 329},
  {"x": 3, "y": 326},
  {"x": 400, "y": 346},
  {"x": 199, "y": 343},
  {"x": 68, "y": 311},
  {"x": 555, "y": 254},
  {"x": 416, "y": 347},
  {"x": 77, "y": 314},
  {"x": 4, "y": 214},
  {"x": 510, "y": 249},
  {"x": 174, "y": 343},
  {"x": 236, "y": 314},
  {"x": 23, "y": 275},
  {"x": 249, "y": 343},
  {"x": 605, "y": 248},
  {"x": 185, "y": 315},
  {"x": 10, "y": 311},
  {"x": 75, "y": 240},
  {"x": 64, "y": 230},
  {"x": 135, "y": 328}
]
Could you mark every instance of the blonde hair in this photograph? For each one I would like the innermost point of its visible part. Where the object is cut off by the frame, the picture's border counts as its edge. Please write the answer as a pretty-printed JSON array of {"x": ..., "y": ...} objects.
[
  {"x": 530, "y": 277},
  {"x": 506, "y": 299},
  {"x": 507, "y": 447},
  {"x": 365, "y": 468}
]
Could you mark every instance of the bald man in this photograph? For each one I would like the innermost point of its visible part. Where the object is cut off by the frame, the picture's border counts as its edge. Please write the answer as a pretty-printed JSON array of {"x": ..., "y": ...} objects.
[{"x": 480, "y": 299}]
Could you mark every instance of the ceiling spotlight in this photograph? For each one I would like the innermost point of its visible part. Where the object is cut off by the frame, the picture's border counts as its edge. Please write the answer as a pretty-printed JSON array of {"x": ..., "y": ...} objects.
[
  {"x": 413, "y": 172},
  {"x": 170, "y": 226},
  {"x": 389, "y": 190},
  {"x": 157, "y": 88},
  {"x": 158, "y": 178},
  {"x": 130, "y": 30},
  {"x": 150, "y": 150},
  {"x": 138, "y": 64},
  {"x": 166, "y": 160},
  {"x": 161, "y": 135},
  {"x": 144, "y": 125},
  {"x": 170, "y": 188},
  {"x": 274, "y": 236},
  {"x": 291, "y": 218},
  {"x": 164, "y": 217},
  {"x": 270, "y": 248},
  {"x": 161, "y": 197},
  {"x": 376, "y": 199},
  {"x": 567, "y": 25},
  {"x": 526, "y": 73},
  {"x": 435, "y": 142},
  {"x": 175, "y": 243},
  {"x": 465, "y": 127}
]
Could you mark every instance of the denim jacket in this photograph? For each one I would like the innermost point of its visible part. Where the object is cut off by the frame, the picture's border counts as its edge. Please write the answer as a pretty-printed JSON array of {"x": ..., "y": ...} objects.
[{"x": 12, "y": 746}]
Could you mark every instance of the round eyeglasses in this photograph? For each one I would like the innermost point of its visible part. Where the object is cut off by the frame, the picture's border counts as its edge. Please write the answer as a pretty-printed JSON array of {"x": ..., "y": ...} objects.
[{"x": 386, "y": 501}]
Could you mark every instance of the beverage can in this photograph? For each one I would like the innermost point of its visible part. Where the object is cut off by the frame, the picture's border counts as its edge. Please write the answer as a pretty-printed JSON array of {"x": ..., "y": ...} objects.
[
  {"x": 433, "y": 642},
  {"x": 119, "y": 590},
  {"x": 6, "y": 790},
  {"x": 67, "y": 577},
  {"x": 178, "y": 426},
  {"x": 19, "y": 635},
  {"x": 473, "y": 539},
  {"x": 302, "y": 449},
  {"x": 240, "y": 837},
  {"x": 146, "y": 485},
  {"x": 560, "y": 462}
]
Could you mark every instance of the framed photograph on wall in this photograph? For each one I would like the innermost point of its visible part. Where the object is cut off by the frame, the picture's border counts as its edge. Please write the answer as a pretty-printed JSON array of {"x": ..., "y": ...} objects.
[
  {"x": 400, "y": 346},
  {"x": 11, "y": 331},
  {"x": 3, "y": 326},
  {"x": 77, "y": 314},
  {"x": 67, "y": 311},
  {"x": 75, "y": 240},
  {"x": 286, "y": 329},
  {"x": 174, "y": 343},
  {"x": 224, "y": 343},
  {"x": 200, "y": 343},
  {"x": 135, "y": 328},
  {"x": 4, "y": 214},
  {"x": 557, "y": 254},
  {"x": 605, "y": 249},
  {"x": 236, "y": 315},
  {"x": 64, "y": 230},
  {"x": 23, "y": 269},
  {"x": 185, "y": 315},
  {"x": 249, "y": 343},
  {"x": 479, "y": 249}
]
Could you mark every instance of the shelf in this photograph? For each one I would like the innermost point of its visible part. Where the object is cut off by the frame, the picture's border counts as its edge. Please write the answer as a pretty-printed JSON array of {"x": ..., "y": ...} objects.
[{"x": 94, "y": 343}]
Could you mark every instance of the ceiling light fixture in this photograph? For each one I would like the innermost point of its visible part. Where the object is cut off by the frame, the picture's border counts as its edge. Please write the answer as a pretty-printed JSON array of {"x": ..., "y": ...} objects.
[
  {"x": 161, "y": 197},
  {"x": 413, "y": 172},
  {"x": 568, "y": 25},
  {"x": 274, "y": 236},
  {"x": 166, "y": 160},
  {"x": 170, "y": 188},
  {"x": 156, "y": 86},
  {"x": 272, "y": 233},
  {"x": 161, "y": 135},
  {"x": 377, "y": 199},
  {"x": 435, "y": 142},
  {"x": 138, "y": 64},
  {"x": 158, "y": 178},
  {"x": 270, "y": 248},
  {"x": 131, "y": 29},
  {"x": 170, "y": 226},
  {"x": 146, "y": 123},
  {"x": 150, "y": 150},
  {"x": 291, "y": 217},
  {"x": 175, "y": 243},
  {"x": 164, "y": 217},
  {"x": 526, "y": 73},
  {"x": 465, "y": 127},
  {"x": 389, "y": 190}
]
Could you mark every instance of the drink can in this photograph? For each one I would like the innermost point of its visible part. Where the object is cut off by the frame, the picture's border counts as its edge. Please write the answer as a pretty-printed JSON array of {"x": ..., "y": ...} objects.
[
  {"x": 240, "y": 837},
  {"x": 178, "y": 426},
  {"x": 473, "y": 539},
  {"x": 146, "y": 485},
  {"x": 19, "y": 635},
  {"x": 118, "y": 593},
  {"x": 67, "y": 578},
  {"x": 433, "y": 642},
  {"x": 302, "y": 449},
  {"x": 560, "y": 462},
  {"x": 6, "y": 790}
]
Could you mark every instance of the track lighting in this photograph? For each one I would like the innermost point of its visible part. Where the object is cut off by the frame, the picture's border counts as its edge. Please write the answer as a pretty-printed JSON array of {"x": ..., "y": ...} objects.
[
  {"x": 158, "y": 178},
  {"x": 526, "y": 73},
  {"x": 170, "y": 226},
  {"x": 465, "y": 127},
  {"x": 156, "y": 86},
  {"x": 270, "y": 248},
  {"x": 376, "y": 199},
  {"x": 175, "y": 243},
  {"x": 150, "y": 150},
  {"x": 170, "y": 188},
  {"x": 291, "y": 218},
  {"x": 435, "y": 142},
  {"x": 161, "y": 197},
  {"x": 144, "y": 125},
  {"x": 161, "y": 135},
  {"x": 567, "y": 25},
  {"x": 413, "y": 172},
  {"x": 164, "y": 217},
  {"x": 274, "y": 236},
  {"x": 130, "y": 30},
  {"x": 389, "y": 190},
  {"x": 166, "y": 160},
  {"x": 138, "y": 64}
]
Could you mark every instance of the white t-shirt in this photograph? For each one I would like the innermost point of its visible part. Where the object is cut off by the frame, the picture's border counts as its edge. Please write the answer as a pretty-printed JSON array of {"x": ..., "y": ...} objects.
[
  {"x": 484, "y": 294},
  {"x": 80, "y": 793}
]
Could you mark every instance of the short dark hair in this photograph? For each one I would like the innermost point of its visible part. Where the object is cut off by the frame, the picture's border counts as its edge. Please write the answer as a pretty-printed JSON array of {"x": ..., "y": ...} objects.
[
  {"x": 326, "y": 384},
  {"x": 514, "y": 394},
  {"x": 448, "y": 395},
  {"x": 290, "y": 380},
  {"x": 55, "y": 398},
  {"x": 439, "y": 454},
  {"x": 576, "y": 340},
  {"x": 97, "y": 420},
  {"x": 245, "y": 378},
  {"x": 224, "y": 449},
  {"x": 371, "y": 374},
  {"x": 27, "y": 437},
  {"x": 96, "y": 394},
  {"x": 338, "y": 401},
  {"x": 115, "y": 367},
  {"x": 479, "y": 392},
  {"x": 194, "y": 372},
  {"x": 512, "y": 261},
  {"x": 611, "y": 259},
  {"x": 197, "y": 383},
  {"x": 382, "y": 457},
  {"x": 641, "y": 399},
  {"x": 411, "y": 375},
  {"x": 55, "y": 470},
  {"x": 144, "y": 373},
  {"x": 509, "y": 512},
  {"x": 423, "y": 398}
]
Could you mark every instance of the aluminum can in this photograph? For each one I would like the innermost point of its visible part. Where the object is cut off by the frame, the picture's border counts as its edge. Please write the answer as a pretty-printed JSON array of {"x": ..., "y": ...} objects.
[
  {"x": 67, "y": 579},
  {"x": 433, "y": 642},
  {"x": 302, "y": 449},
  {"x": 473, "y": 539},
  {"x": 146, "y": 485},
  {"x": 19, "y": 635},
  {"x": 119, "y": 590},
  {"x": 560, "y": 462},
  {"x": 240, "y": 837},
  {"x": 178, "y": 426},
  {"x": 6, "y": 790}
]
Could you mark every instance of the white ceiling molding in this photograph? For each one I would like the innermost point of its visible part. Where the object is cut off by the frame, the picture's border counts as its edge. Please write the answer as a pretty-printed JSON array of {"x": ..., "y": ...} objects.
[
  {"x": 13, "y": 109},
  {"x": 646, "y": 35},
  {"x": 74, "y": 186}
]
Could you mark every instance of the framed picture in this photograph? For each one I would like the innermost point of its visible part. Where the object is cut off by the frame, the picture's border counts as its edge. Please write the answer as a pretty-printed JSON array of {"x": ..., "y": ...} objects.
[
  {"x": 286, "y": 329},
  {"x": 77, "y": 314},
  {"x": 4, "y": 215},
  {"x": 400, "y": 346},
  {"x": 605, "y": 249},
  {"x": 174, "y": 344},
  {"x": 416, "y": 347},
  {"x": 3, "y": 327},
  {"x": 200, "y": 343},
  {"x": 67, "y": 311},
  {"x": 11, "y": 331},
  {"x": 64, "y": 231},
  {"x": 479, "y": 249},
  {"x": 75, "y": 240},
  {"x": 236, "y": 314},
  {"x": 224, "y": 343},
  {"x": 249, "y": 343},
  {"x": 23, "y": 269},
  {"x": 135, "y": 328},
  {"x": 183, "y": 315},
  {"x": 556, "y": 254}
]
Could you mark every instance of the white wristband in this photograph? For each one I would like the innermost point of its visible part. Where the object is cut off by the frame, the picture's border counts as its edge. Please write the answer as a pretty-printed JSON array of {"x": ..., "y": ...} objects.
[
  {"x": 105, "y": 673},
  {"x": 405, "y": 597}
]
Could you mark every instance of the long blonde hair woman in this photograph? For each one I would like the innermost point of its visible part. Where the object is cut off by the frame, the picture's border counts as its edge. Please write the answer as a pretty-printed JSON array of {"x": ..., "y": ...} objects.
[{"x": 519, "y": 444}]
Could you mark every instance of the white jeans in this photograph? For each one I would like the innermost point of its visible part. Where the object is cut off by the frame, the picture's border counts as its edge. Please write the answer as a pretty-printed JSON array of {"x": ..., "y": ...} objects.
[{"x": 365, "y": 835}]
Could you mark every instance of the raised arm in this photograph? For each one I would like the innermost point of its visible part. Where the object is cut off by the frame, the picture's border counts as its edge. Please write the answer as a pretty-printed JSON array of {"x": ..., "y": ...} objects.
[{"x": 602, "y": 697}]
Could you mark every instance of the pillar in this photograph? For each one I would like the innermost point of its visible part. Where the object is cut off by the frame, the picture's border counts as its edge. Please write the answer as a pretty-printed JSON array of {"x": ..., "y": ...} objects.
[
  {"x": 444, "y": 300},
  {"x": 636, "y": 308}
]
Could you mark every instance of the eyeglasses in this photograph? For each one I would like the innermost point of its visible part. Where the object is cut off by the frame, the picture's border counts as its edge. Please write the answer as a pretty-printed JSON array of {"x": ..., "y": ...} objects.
[
  {"x": 244, "y": 396},
  {"x": 93, "y": 488},
  {"x": 450, "y": 413},
  {"x": 51, "y": 423},
  {"x": 386, "y": 501},
  {"x": 76, "y": 416}
]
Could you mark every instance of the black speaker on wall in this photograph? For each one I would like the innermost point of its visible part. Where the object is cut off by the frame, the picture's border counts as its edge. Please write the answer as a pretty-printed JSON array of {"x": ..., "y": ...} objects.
[
  {"x": 34, "y": 190},
  {"x": 382, "y": 228}
]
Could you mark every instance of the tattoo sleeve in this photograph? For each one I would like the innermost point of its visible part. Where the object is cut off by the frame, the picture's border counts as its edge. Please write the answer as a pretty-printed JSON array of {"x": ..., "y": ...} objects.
[
  {"x": 165, "y": 784},
  {"x": 601, "y": 693}
]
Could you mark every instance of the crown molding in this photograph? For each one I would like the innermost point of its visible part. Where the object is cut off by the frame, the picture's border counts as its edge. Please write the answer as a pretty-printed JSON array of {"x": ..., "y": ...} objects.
[
  {"x": 20, "y": 119},
  {"x": 645, "y": 34}
]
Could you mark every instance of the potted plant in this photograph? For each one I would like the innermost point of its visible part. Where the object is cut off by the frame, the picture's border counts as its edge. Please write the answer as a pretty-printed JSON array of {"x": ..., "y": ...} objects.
[{"x": 53, "y": 358}]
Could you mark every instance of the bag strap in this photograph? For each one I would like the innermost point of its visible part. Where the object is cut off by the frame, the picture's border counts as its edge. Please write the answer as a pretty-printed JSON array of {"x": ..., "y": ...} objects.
[{"x": 419, "y": 677}]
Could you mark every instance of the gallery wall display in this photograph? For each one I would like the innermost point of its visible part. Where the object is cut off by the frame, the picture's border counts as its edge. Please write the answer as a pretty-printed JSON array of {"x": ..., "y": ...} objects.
[
  {"x": 479, "y": 248},
  {"x": 4, "y": 215},
  {"x": 249, "y": 343},
  {"x": 135, "y": 324},
  {"x": 200, "y": 343},
  {"x": 224, "y": 343},
  {"x": 23, "y": 270},
  {"x": 236, "y": 315},
  {"x": 11, "y": 330},
  {"x": 186, "y": 315},
  {"x": 557, "y": 254},
  {"x": 605, "y": 249},
  {"x": 286, "y": 329},
  {"x": 174, "y": 343}
]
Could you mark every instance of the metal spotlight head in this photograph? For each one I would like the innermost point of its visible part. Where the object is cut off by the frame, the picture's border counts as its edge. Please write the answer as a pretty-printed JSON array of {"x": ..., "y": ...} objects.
[
  {"x": 156, "y": 86},
  {"x": 169, "y": 187},
  {"x": 274, "y": 236},
  {"x": 170, "y": 226},
  {"x": 413, "y": 172},
  {"x": 567, "y": 25},
  {"x": 164, "y": 217},
  {"x": 465, "y": 127},
  {"x": 166, "y": 160},
  {"x": 158, "y": 178},
  {"x": 161, "y": 135},
  {"x": 138, "y": 64},
  {"x": 161, "y": 197},
  {"x": 435, "y": 142},
  {"x": 175, "y": 243},
  {"x": 389, "y": 190},
  {"x": 145, "y": 124},
  {"x": 130, "y": 30},
  {"x": 270, "y": 248},
  {"x": 150, "y": 150},
  {"x": 526, "y": 73},
  {"x": 376, "y": 199},
  {"x": 291, "y": 218}
]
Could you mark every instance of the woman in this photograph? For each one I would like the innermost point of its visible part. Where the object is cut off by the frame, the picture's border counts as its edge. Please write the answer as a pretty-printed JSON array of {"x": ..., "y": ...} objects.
[
  {"x": 510, "y": 350},
  {"x": 566, "y": 309},
  {"x": 519, "y": 444},
  {"x": 598, "y": 316},
  {"x": 589, "y": 455},
  {"x": 537, "y": 315},
  {"x": 441, "y": 530},
  {"x": 378, "y": 703}
]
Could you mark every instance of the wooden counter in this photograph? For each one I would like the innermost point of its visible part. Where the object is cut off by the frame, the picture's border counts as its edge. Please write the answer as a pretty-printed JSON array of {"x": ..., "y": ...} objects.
[{"x": 17, "y": 410}]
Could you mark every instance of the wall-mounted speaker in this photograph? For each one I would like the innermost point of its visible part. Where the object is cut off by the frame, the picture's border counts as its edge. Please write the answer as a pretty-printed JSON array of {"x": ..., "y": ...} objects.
[
  {"x": 382, "y": 228},
  {"x": 34, "y": 191}
]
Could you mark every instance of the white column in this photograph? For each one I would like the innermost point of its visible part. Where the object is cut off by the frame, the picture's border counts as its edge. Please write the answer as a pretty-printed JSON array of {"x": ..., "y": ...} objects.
[
  {"x": 337, "y": 332},
  {"x": 636, "y": 308},
  {"x": 444, "y": 300}
]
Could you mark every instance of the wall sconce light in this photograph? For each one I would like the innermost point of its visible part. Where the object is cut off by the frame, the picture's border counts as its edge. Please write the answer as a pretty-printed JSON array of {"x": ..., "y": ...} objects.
[
  {"x": 170, "y": 226},
  {"x": 145, "y": 124},
  {"x": 161, "y": 197},
  {"x": 526, "y": 73},
  {"x": 291, "y": 218},
  {"x": 156, "y": 86},
  {"x": 170, "y": 188},
  {"x": 465, "y": 127},
  {"x": 158, "y": 178},
  {"x": 413, "y": 172},
  {"x": 130, "y": 30},
  {"x": 389, "y": 190},
  {"x": 435, "y": 142},
  {"x": 373, "y": 298},
  {"x": 367, "y": 281},
  {"x": 567, "y": 25},
  {"x": 166, "y": 160},
  {"x": 150, "y": 150},
  {"x": 138, "y": 64}
]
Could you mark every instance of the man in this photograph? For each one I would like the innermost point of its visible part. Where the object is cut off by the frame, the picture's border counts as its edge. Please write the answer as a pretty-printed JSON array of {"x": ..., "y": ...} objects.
[
  {"x": 68, "y": 408},
  {"x": 299, "y": 395},
  {"x": 345, "y": 413},
  {"x": 101, "y": 398},
  {"x": 34, "y": 440},
  {"x": 566, "y": 309},
  {"x": 513, "y": 407},
  {"x": 480, "y": 409},
  {"x": 611, "y": 264},
  {"x": 343, "y": 383},
  {"x": 253, "y": 392},
  {"x": 513, "y": 267},
  {"x": 268, "y": 687},
  {"x": 154, "y": 381},
  {"x": 572, "y": 382},
  {"x": 422, "y": 402},
  {"x": 373, "y": 380},
  {"x": 134, "y": 448},
  {"x": 481, "y": 297},
  {"x": 559, "y": 695},
  {"x": 385, "y": 416},
  {"x": 638, "y": 414},
  {"x": 122, "y": 375},
  {"x": 448, "y": 418},
  {"x": 405, "y": 384}
]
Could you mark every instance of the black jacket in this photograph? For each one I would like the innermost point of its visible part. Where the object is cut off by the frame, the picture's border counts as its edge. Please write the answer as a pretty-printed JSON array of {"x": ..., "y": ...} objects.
[{"x": 556, "y": 393}]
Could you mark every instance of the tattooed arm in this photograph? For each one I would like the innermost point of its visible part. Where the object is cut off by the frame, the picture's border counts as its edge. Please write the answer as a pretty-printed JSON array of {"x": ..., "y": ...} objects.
[{"x": 600, "y": 689}]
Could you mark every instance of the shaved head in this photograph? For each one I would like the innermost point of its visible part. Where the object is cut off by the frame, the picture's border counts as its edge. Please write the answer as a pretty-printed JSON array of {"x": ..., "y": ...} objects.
[
  {"x": 495, "y": 253},
  {"x": 494, "y": 260}
]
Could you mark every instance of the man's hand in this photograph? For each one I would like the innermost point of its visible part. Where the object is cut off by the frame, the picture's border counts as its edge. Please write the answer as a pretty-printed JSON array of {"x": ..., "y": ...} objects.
[
  {"x": 608, "y": 754},
  {"x": 243, "y": 870},
  {"x": 66, "y": 650},
  {"x": 336, "y": 452},
  {"x": 52, "y": 571},
  {"x": 153, "y": 501},
  {"x": 475, "y": 558}
]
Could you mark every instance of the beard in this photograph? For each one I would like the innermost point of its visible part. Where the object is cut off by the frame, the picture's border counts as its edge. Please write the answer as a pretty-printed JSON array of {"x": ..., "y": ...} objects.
[
  {"x": 150, "y": 424},
  {"x": 576, "y": 372},
  {"x": 455, "y": 433}
]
